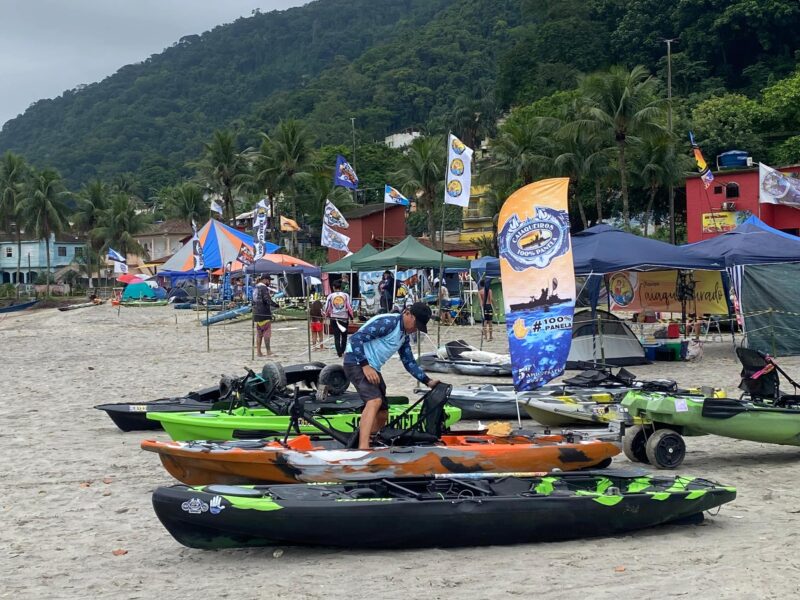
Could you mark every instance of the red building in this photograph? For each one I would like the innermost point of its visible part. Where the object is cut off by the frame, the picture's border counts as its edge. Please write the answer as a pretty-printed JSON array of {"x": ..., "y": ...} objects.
[
  {"x": 367, "y": 224},
  {"x": 731, "y": 198}
]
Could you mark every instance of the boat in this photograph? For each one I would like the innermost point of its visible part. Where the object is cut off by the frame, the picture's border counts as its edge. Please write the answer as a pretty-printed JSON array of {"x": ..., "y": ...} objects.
[
  {"x": 227, "y": 315},
  {"x": 17, "y": 307},
  {"x": 472, "y": 509},
  {"x": 142, "y": 303},
  {"x": 667, "y": 418},
  {"x": 132, "y": 416},
  {"x": 81, "y": 305},
  {"x": 461, "y": 358},
  {"x": 303, "y": 458}
]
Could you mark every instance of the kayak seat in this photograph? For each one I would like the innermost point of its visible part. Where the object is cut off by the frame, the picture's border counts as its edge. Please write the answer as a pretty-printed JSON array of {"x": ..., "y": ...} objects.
[
  {"x": 761, "y": 378},
  {"x": 401, "y": 437},
  {"x": 456, "y": 349},
  {"x": 429, "y": 426}
]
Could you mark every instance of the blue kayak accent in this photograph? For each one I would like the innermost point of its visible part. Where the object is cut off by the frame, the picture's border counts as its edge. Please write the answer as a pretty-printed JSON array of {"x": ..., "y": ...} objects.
[{"x": 226, "y": 315}]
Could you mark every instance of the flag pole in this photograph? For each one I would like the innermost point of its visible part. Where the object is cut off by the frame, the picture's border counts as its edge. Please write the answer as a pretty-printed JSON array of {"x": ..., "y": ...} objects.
[
  {"x": 441, "y": 259},
  {"x": 383, "y": 235},
  {"x": 208, "y": 325}
]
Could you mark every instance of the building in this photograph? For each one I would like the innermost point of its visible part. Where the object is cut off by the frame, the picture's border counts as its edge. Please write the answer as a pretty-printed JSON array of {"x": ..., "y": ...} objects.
[
  {"x": 64, "y": 249},
  {"x": 367, "y": 223},
  {"x": 402, "y": 139},
  {"x": 453, "y": 246},
  {"x": 164, "y": 238},
  {"x": 731, "y": 198},
  {"x": 475, "y": 222}
]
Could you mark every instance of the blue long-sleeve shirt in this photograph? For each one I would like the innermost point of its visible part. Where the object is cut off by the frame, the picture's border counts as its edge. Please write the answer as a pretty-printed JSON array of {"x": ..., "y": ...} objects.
[{"x": 376, "y": 342}]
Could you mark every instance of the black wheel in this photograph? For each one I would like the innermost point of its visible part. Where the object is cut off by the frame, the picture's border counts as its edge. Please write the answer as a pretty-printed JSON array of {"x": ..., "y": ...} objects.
[
  {"x": 634, "y": 444},
  {"x": 273, "y": 374},
  {"x": 333, "y": 377},
  {"x": 666, "y": 449},
  {"x": 603, "y": 464}
]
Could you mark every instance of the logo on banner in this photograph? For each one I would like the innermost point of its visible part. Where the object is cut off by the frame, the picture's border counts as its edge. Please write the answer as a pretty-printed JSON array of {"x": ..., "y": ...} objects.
[{"x": 536, "y": 241}]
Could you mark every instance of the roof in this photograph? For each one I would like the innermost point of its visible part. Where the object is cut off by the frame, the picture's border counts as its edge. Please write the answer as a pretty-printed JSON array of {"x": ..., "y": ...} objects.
[
  {"x": 63, "y": 238},
  {"x": 369, "y": 209},
  {"x": 170, "y": 227},
  {"x": 448, "y": 246},
  {"x": 408, "y": 254},
  {"x": 345, "y": 265}
]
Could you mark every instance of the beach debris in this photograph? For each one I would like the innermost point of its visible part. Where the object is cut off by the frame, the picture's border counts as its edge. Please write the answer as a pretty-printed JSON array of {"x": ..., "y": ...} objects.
[
  {"x": 119, "y": 552},
  {"x": 278, "y": 553},
  {"x": 107, "y": 480},
  {"x": 90, "y": 368},
  {"x": 85, "y": 484},
  {"x": 619, "y": 569}
]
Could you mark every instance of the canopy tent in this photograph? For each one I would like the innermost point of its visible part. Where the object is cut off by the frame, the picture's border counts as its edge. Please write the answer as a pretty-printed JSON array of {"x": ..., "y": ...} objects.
[
  {"x": 285, "y": 259},
  {"x": 345, "y": 265},
  {"x": 266, "y": 267},
  {"x": 221, "y": 245},
  {"x": 488, "y": 266},
  {"x": 751, "y": 243},
  {"x": 604, "y": 249},
  {"x": 408, "y": 254},
  {"x": 139, "y": 291}
]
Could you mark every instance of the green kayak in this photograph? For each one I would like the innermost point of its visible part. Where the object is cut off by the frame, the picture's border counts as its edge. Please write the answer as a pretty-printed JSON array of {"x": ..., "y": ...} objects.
[
  {"x": 666, "y": 418},
  {"x": 257, "y": 423}
]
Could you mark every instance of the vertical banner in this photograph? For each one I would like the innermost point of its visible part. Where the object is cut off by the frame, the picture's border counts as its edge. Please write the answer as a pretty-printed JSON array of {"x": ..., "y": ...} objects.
[
  {"x": 197, "y": 249},
  {"x": 459, "y": 172},
  {"x": 260, "y": 220},
  {"x": 368, "y": 285},
  {"x": 538, "y": 281}
]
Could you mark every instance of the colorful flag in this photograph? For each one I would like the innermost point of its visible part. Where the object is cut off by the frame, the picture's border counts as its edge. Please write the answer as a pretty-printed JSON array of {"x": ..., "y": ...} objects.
[
  {"x": 115, "y": 256},
  {"x": 120, "y": 267},
  {"x": 705, "y": 173},
  {"x": 344, "y": 175},
  {"x": 332, "y": 216},
  {"x": 775, "y": 187},
  {"x": 197, "y": 249},
  {"x": 392, "y": 196},
  {"x": 538, "y": 281},
  {"x": 215, "y": 207},
  {"x": 288, "y": 224},
  {"x": 459, "y": 172},
  {"x": 333, "y": 239},
  {"x": 245, "y": 255},
  {"x": 260, "y": 223}
]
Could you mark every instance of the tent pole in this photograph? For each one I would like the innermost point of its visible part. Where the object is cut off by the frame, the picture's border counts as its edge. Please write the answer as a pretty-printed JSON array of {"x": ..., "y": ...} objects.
[
  {"x": 383, "y": 235},
  {"x": 208, "y": 325},
  {"x": 394, "y": 291},
  {"x": 308, "y": 312},
  {"x": 252, "y": 315},
  {"x": 441, "y": 282}
]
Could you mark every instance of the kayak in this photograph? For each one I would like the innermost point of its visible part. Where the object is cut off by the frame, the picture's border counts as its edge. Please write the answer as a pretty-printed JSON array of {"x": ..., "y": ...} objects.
[
  {"x": 246, "y": 423},
  {"x": 311, "y": 460},
  {"x": 461, "y": 358},
  {"x": 142, "y": 303},
  {"x": 473, "y": 509},
  {"x": 227, "y": 315},
  {"x": 81, "y": 305},
  {"x": 17, "y": 307}
]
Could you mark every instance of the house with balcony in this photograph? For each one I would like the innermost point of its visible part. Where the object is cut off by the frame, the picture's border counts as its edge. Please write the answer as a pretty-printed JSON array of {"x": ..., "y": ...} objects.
[{"x": 65, "y": 249}]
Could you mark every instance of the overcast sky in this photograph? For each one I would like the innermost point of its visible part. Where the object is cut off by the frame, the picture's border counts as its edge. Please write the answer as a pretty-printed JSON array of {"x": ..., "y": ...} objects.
[{"x": 48, "y": 46}]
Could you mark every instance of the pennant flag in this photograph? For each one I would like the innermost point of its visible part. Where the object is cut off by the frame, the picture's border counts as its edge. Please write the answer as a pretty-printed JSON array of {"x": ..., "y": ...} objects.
[
  {"x": 215, "y": 207},
  {"x": 246, "y": 256},
  {"x": 392, "y": 196},
  {"x": 260, "y": 223},
  {"x": 288, "y": 224},
  {"x": 197, "y": 249},
  {"x": 332, "y": 216},
  {"x": 120, "y": 267},
  {"x": 459, "y": 173},
  {"x": 775, "y": 187},
  {"x": 333, "y": 239},
  {"x": 705, "y": 173},
  {"x": 538, "y": 281},
  {"x": 344, "y": 175},
  {"x": 115, "y": 256}
]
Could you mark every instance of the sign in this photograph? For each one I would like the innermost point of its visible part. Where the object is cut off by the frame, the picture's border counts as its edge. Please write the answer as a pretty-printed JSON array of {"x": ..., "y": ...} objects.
[{"x": 656, "y": 291}]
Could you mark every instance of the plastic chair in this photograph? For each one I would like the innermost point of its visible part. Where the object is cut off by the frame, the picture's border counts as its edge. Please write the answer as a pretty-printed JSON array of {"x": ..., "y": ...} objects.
[{"x": 712, "y": 321}]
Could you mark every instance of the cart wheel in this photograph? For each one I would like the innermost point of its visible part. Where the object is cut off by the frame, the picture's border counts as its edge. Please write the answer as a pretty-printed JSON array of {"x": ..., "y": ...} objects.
[
  {"x": 634, "y": 444},
  {"x": 666, "y": 449},
  {"x": 603, "y": 464},
  {"x": 272, "y": 372},
  {"x": 334, "y": 378}
]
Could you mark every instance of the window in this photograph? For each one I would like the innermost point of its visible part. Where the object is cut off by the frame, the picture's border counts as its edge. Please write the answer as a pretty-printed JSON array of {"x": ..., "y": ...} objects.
[
  {"x": 78, "y": 251},
  {"x": 62, "y": 250},
  {"x": 9, "y": 252},
  {"x": 717, "y": 189},
  {"x": 731, "y": 190}
]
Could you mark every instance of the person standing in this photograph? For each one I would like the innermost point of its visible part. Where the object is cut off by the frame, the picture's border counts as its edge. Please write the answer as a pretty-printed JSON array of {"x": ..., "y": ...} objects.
[
  {"x": 339, "y": 311},
  {"x": 485, "y": 294},
  {"x": 262, "y": 314},
  {"x": 369, "y": 349},
  {"x": 315, "y": 314},
  {"x": 386, "y": 290}
]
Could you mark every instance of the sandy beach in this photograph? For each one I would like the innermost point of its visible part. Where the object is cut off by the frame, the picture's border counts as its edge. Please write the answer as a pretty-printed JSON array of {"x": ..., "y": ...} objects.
[{"x": 77, "y": 489}]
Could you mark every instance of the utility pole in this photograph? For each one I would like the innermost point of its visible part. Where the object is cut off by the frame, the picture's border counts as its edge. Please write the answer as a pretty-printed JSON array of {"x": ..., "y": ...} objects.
[
  {"x": 669, "y": 127},
  {"x": 353, "y": 126}
]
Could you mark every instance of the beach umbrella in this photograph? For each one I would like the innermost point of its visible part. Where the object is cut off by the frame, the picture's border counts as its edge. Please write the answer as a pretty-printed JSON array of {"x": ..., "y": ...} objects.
[
  {"x": 285, "y": 259},
  {"x": 129, "y": 278}
]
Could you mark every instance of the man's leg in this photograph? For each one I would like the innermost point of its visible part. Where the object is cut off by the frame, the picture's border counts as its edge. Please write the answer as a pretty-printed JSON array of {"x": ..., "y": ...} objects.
[
  {"x": 369, "y": 417},
  {"x": 267, "y": 337},
  {"x": 259, "y": 337}
]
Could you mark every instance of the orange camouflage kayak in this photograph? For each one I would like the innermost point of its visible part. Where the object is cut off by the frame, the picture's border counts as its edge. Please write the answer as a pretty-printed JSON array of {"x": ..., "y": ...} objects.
[{"x": 304, "y": 459}]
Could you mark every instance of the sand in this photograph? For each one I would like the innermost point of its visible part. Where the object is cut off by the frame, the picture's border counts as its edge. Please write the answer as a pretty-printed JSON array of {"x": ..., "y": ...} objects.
[{"x": 77, "y": 489}]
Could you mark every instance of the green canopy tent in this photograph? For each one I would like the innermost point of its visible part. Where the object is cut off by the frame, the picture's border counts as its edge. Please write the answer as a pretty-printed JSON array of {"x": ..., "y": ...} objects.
[
  {"x": 408, "y": 254},
  {"x": 345, "y": 265}
]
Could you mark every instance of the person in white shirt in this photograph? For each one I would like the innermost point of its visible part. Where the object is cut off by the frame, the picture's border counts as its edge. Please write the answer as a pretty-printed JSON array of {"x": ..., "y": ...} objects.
[{"x": 339, "y": 311}]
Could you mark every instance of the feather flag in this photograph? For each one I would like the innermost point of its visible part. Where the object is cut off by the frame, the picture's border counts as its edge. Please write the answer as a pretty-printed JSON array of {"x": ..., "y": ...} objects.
[
  {"x": 705, "y": 173},
  {"x": 288, "y": 224},
  {"x": 392, "y": 196},
  {"x": 332, "y": 217},
  {"x": 344, "y": 175},
  {"x": 120, "y": 267},
  {"x": 333, "y": 239},
  {"x": 115, "y": 256},
  {"x": 197, "y": 249},
  {"x": 459, "y": 172},
  {"x": 260, "y": 223}
]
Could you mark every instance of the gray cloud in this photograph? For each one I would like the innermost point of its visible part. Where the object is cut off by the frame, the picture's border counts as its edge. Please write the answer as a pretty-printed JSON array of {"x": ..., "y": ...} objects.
[{"x": 48, "y": 46}]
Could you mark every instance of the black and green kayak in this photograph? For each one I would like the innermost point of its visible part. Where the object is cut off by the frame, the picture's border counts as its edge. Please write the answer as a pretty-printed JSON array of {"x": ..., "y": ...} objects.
[{"x": 469, "y": 509}]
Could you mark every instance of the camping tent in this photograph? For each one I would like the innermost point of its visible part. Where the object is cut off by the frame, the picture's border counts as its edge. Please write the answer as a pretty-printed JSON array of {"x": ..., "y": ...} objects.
[
  {"x": 345, "y": 265},
  {"x": 220, "y": 244},
  {"x": 619, "y": 345},
  {"x": 408, "y": 254},
  {"x": 753, "y": 242},
  {"x": 141, "y": 291}
]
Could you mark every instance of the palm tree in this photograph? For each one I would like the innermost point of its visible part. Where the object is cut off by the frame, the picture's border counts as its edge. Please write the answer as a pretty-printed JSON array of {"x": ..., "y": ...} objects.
[
  {"x": 223, "y": 168},
  {"x": 92, "y": 200},
  {"x": 522, "y": 151},
  {"x": 473, "y": 120},
  {"x": 119, "y": 224},
  {"x": 317, "y": 187},
  {"x": 623, "y": 108},
  {"x": 266, "y": 177},
  {"x": 656, "y": 166},
  {"x": 421, "y": 175},
  {"x": 293, "y": 156},
  {"x": 13, "y": 172},
  {"x": 186, "y": 202},
  {"x": 43, "y": 209}
]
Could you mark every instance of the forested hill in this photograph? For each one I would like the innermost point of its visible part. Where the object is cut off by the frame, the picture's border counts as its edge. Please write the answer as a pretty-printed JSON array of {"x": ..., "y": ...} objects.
[{"x": 395, "y": 64}]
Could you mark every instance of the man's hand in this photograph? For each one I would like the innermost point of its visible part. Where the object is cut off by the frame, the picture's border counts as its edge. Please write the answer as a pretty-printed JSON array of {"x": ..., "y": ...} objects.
[
  {"x": 432, "y": 383},
  {"x": 371, "y": 375}
]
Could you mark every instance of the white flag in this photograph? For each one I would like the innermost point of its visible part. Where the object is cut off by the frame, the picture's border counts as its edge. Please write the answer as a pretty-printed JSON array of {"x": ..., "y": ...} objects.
[
  {"x": 459, "y": 172},
  {"x": 775, "y": 187},
  {"x": 332, "y": 217},
  {"x": 197, "y": 249},
  {"x": 120, "y": 267},
  {"x": 260, "y": 221},
  {"x": 333, "y": 239},
  {"x": 392, "y": 196},
  {"x": 215, "y": 207}
]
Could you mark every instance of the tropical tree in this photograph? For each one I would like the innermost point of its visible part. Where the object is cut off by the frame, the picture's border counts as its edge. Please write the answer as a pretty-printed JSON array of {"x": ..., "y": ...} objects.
[
  {"x": 119, "y": 224},
  {"x": 186, "y": 202},
  {"x": 622, "y": 107},
  {"x": 43, "y": 209},
  {"x": 223, "y": 168},
  {"x": 317, "y": 187},
  {"x": 522, "y": 151},
  {"x": 265, "y": 177},
  {"x": 657, "y": 166},
  {"x": 293, "y": 156},
  {"x": 13, "y": 172},
  {"x": 92, "y": 200},
  {"x": 473, "y": 120},
  {"x": 421, "y": 176}
]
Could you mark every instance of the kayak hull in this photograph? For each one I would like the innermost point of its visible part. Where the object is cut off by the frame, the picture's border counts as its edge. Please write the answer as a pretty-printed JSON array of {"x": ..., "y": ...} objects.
[{"x": 470, "y": 512}]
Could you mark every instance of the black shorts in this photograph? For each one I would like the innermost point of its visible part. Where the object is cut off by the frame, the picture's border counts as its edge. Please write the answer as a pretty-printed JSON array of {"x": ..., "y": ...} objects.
[
  {"x": 366, "y": 390},
  {"x": 488, "y": 313}
]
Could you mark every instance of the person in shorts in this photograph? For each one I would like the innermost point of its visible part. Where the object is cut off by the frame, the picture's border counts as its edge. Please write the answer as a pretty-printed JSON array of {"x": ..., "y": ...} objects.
[
  {"x": 369, "y": 349},
  {"x": 315, "y": 315}
]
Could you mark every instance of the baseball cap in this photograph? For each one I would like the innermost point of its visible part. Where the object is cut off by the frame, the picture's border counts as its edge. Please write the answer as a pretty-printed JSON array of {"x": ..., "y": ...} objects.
[{"x": 422, "y": 314}]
